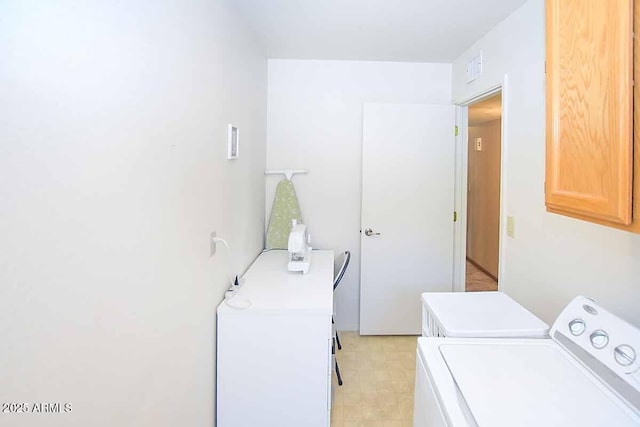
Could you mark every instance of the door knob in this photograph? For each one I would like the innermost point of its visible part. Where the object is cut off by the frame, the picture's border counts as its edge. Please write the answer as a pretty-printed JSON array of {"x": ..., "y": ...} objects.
[{"x": 369, "y": 232}]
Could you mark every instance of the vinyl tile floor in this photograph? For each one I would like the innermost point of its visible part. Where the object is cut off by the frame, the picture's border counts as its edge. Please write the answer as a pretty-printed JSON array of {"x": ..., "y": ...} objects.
[{"x": 378, "y": 374}]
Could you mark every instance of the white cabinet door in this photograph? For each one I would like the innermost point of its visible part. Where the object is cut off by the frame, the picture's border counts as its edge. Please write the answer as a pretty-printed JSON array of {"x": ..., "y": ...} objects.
[{"x": 407, "y": 197}]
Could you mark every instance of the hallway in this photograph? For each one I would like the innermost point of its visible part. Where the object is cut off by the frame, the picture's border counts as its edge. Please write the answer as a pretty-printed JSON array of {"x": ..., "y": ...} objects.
[{"x": 477, "y": 280}]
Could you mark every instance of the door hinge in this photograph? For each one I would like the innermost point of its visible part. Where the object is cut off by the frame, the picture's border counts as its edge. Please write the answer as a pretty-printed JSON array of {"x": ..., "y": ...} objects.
[
  {"x": 455, "y": 216},
  {"x": 456, "y": 131}
]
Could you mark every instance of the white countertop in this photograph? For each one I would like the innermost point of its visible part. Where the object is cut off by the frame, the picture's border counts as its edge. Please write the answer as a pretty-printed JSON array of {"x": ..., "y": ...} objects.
[{"x": 272, "y": 288}]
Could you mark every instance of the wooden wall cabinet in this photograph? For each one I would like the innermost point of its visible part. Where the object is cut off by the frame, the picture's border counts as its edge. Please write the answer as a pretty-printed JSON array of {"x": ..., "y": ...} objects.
[{"x": 590, "y": 112}]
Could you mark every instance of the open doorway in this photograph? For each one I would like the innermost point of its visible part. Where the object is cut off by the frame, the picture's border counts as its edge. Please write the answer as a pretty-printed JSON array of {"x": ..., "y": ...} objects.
[{"x": 484, "y": 150}]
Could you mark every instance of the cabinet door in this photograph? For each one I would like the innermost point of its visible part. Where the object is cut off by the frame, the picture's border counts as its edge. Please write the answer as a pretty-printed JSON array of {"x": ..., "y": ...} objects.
[{"x": 589, "y": 164}]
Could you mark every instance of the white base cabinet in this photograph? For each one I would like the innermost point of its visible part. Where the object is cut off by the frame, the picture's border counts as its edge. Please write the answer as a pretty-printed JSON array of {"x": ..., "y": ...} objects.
[{"x": 274, "y": 363}]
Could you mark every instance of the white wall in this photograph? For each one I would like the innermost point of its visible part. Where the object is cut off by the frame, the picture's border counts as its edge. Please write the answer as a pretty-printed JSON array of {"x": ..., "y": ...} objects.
[
  {"x": 552, "y": 258},
  {"x": 315, "y": 123},
  {"x": 113, "y": 172}
]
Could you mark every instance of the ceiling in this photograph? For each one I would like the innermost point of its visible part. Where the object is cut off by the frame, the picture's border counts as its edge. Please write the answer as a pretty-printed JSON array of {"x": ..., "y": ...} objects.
[
  {"x": 485, "y": 110},
  {"x": 371, "y": 30}
]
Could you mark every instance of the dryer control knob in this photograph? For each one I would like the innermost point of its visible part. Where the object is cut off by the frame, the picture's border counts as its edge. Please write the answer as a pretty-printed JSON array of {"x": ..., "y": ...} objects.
[
  {"x": 599, "y": 339},
  {"x": 577, "y": 327},
  {"x": 624, "y": 354}
]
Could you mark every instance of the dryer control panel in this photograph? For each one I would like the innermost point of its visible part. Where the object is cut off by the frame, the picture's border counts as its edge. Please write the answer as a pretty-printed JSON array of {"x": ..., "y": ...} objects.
[{"x": 604, "y": 343}]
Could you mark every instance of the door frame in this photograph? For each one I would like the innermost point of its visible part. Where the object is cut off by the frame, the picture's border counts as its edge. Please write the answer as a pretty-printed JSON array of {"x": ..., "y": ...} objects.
[{"x": 461, "y": 182}]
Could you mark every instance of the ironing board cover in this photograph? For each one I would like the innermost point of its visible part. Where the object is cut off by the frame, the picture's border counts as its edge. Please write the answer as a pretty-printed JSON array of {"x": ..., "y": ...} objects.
[{"x": 285, "y": 208}]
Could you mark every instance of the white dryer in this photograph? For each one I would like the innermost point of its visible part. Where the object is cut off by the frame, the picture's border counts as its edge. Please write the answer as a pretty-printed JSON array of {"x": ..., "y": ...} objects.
[
  {"x": 478, "y": 315},
  {"x": 586, "y": 374}
]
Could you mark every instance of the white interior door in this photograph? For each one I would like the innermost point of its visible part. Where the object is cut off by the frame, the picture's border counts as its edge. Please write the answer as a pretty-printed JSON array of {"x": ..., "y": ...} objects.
[{"x": 407, "y": 197}]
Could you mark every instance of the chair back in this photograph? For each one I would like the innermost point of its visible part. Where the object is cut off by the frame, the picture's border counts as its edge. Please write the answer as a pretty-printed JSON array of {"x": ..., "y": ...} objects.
[{"x": 340, "y": 266}]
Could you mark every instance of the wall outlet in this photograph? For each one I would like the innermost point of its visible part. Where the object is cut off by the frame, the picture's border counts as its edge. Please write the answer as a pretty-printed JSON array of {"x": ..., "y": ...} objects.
[
  {"x": 212, "y": 244},
  {"x": 510, "y": 227}
]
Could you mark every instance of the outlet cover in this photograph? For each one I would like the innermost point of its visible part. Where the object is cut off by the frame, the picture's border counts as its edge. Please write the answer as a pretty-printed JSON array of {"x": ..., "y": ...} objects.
[{"x": 212, "y": 244}]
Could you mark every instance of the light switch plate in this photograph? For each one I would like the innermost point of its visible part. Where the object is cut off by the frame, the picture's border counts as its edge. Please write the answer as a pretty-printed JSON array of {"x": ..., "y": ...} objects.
[{"x": 511, "y": 227}]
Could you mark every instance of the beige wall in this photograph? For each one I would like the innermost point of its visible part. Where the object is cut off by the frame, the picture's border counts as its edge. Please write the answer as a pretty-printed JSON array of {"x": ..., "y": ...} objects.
[
  {"x": 113, "y": 172},
  {"x": 483, "y": 196}
]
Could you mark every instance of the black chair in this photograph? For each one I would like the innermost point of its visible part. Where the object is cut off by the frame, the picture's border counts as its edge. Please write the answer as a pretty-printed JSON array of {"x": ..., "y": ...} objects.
[{"x": 340, "y": 266}]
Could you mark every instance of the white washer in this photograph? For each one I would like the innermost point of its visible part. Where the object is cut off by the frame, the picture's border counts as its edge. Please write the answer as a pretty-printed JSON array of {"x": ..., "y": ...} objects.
[
  {"x": 478, "y": 314},
  {"x": 587, "y": 374}
]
